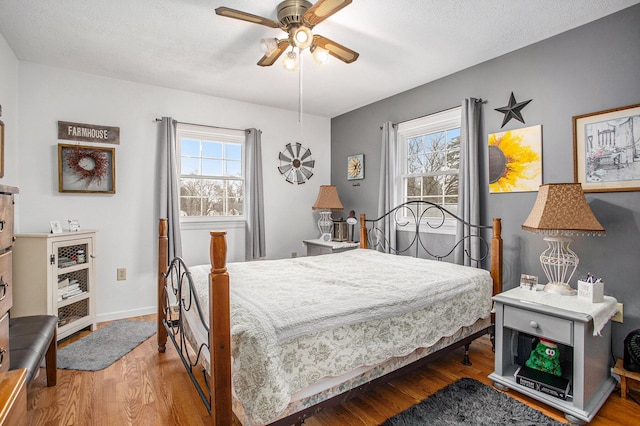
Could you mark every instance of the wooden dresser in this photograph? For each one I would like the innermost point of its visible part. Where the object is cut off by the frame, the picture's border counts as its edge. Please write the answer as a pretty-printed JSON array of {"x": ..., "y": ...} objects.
[{"x": 6, "y": 277}]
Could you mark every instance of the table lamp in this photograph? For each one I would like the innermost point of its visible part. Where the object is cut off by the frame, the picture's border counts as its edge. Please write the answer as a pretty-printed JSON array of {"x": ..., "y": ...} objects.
[
  {"x": 561, "y": 210},
  {"x": 327, "y": 201}
]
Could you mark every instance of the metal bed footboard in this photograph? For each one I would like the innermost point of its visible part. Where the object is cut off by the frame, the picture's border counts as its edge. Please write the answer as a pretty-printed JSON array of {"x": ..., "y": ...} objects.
[{"x": 176, "y": 301}]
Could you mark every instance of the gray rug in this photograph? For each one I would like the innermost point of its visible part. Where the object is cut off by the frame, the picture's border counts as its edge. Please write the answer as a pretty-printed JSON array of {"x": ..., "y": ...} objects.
[
  {"x": 469, "y": 402},
  {"x": 105, "y": 346}
]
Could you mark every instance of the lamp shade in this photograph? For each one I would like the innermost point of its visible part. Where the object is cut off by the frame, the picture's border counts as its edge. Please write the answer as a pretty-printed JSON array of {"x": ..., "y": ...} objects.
[
  {"x": 328, "y": 199},
  {"x": 562, "y": 209}
]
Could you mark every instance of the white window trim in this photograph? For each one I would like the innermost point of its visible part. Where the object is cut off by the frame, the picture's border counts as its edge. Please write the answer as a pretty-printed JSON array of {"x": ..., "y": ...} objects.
[
  {"x": 408, "y": 129},
  {"x": 211, "y": 222},
  {"x": 223, "y": 135}
]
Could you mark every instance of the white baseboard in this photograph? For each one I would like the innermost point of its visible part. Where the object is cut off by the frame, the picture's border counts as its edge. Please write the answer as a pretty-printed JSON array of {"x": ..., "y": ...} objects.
[{"x": 126, "y": 314}]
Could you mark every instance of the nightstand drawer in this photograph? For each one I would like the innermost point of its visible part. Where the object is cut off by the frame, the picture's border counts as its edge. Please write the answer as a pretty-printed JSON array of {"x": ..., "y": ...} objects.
[
  {"x": 553, "y": 328},
  {"x": 6, "y": 221},
  {"x": 6, "y": 283}
]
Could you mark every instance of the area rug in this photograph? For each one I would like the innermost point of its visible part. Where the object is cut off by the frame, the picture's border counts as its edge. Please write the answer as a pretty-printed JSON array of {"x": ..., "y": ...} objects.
[
  {"x": 105, "y": 346},
  {"x": 470, "y": 402}
]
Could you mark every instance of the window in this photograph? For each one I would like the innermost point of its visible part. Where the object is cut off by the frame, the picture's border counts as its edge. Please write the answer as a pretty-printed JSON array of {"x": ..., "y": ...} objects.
[
  {"x": 211, "y": 171},
  {"x": 429, "y": 159}
]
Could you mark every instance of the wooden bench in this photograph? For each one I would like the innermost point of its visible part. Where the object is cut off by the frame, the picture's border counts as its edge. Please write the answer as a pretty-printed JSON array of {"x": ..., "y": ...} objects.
[
  {"x": 33, "y": 339},
  {"x": 624, "y": 376}
]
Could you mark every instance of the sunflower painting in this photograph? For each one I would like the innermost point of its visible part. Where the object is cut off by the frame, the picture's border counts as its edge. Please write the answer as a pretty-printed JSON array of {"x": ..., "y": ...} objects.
[{"x": 515, "y": 160}]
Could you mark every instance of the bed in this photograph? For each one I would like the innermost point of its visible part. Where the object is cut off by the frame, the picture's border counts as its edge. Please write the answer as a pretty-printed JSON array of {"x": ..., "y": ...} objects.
[{"x": 314, "y": 331}]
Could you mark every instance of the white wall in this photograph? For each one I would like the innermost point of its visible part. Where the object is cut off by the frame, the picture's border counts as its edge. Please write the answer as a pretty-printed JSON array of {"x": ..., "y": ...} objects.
[
  {"x": 9, "y": 102},
  {"x": 127, "y": 221}
]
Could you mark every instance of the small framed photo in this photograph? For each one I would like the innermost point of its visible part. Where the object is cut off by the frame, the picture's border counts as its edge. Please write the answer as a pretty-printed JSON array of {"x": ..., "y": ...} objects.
[
  {"x": 56, "y": 228},
  {"x": 74, "y": 225},
  {"x": 355, "y": 167},
  {"x": 606, "y": 152},
  {"x": 86, "y": 169},
  {"x": 529, "y": 282}
]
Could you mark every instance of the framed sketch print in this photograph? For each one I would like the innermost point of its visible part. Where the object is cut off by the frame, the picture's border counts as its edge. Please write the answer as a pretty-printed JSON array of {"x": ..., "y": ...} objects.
[
  {"x": 606, "y": 151},
  {"x": 86, "y": 169},
  {"x": 355, "y": 167}
]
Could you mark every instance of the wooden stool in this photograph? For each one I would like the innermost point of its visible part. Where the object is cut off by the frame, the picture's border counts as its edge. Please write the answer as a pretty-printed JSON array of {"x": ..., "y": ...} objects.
[{"x": 624, "y": 375}]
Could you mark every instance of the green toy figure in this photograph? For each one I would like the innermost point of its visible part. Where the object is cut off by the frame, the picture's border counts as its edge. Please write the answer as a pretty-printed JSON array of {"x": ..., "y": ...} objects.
[{"x": 545, "y": 357}]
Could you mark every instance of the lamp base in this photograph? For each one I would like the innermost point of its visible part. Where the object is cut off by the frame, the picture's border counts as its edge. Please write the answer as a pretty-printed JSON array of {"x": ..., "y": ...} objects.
[{"x": 562, "y": 289}]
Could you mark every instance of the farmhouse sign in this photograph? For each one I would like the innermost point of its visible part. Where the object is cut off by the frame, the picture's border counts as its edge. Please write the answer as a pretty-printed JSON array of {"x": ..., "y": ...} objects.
[{"x": 88, "y": 132}]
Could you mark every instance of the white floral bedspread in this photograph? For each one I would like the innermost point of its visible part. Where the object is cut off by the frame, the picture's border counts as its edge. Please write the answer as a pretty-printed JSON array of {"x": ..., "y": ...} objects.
[{"x": 295, "y": 321}]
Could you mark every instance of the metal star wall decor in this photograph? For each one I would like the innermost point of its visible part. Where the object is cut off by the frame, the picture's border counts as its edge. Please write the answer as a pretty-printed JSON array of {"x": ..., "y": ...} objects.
[{"x": 513, "y": 110}]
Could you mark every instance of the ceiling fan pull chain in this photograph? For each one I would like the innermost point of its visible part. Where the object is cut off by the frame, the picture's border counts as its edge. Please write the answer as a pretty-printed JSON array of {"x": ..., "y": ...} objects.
[{"x": 300, "y": 88}]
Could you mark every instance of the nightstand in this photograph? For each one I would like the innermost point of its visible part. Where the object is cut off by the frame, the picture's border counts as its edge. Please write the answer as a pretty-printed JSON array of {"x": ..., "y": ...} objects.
[
  {"x": 316, "y": 247},
  {"x": 522, "y": 315}
]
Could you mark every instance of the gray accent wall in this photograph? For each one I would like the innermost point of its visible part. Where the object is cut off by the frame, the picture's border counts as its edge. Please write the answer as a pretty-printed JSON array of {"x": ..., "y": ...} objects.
[{"x": 591, "y": 68}]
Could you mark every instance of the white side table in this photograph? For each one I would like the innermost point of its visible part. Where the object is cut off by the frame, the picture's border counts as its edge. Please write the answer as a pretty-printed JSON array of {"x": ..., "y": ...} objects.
[
  {"x": 316, "y": 247},
  {"x": 569, "y": 322}
]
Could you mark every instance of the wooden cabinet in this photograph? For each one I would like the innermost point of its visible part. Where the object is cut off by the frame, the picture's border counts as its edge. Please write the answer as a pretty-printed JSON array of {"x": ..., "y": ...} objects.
[
  {"x": 6, "y": 276},
  {"x": 557, "y": 318},
  {"x": 54, "y": 274}
]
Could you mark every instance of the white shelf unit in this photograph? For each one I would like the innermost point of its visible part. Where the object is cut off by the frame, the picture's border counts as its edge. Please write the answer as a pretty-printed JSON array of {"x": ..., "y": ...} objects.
[{"x": 40, "y": 262}]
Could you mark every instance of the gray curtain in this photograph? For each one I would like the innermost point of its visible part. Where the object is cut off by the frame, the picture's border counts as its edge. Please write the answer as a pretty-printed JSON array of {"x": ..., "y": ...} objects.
[
  {"x": 254, "y": 196},
  {"x": 468, "y": 184},
  {"x": 385, "y": 239},
  {"x": 170, "y": 185}
]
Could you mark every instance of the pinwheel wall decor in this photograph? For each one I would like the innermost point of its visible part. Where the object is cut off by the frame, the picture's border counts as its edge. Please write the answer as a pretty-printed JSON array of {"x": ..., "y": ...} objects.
[{"x": 296, "y": 163}]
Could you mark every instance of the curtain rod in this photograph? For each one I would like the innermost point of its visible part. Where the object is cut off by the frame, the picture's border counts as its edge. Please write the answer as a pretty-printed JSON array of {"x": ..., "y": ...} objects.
[
  {"x": 205, "y": 125},
  {"x": 431, "y": 113}
]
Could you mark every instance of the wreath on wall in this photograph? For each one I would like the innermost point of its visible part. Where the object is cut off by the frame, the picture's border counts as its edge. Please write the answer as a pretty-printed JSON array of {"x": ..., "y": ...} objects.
[{"x": 90, "y": 165}]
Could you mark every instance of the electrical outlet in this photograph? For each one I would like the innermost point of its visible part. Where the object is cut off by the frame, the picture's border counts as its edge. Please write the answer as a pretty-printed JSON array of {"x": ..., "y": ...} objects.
[
  {"x": 618, "y": 317},
  {"x": 122, "y": 274}
]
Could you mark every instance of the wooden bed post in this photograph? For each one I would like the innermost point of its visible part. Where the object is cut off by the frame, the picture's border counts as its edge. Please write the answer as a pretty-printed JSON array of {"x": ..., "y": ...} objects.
[
  {"x": 496, "y": 256},
  {"x": 220, "y": 332},
  {"x": 163, "y": 266},
  {"x": 364, "y": 240}
]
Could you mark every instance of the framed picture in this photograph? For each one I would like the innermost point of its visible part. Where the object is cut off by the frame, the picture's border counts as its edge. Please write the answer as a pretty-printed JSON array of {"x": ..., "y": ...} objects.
[
  {"x": 86, "y": 169},
  {"x": 56, "y": 228},
  {"x": 74, "y": 225},
  {"x": 606, "y": 150},
  {"x": 355, "y": 167},
  {"x": 515, "y": 160}
]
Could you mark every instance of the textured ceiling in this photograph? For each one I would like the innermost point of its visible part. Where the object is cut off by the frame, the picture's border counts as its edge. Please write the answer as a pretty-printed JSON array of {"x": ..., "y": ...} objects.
[{"x": 183, "y": 44}]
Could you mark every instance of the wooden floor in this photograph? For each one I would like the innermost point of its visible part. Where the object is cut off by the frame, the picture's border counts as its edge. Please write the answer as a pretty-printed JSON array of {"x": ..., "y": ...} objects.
[{"x": 149, "y": 388}]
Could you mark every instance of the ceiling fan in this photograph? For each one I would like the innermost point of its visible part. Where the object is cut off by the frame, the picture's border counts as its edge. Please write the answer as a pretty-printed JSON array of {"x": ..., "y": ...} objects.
[{"x": 297, "y": 18}]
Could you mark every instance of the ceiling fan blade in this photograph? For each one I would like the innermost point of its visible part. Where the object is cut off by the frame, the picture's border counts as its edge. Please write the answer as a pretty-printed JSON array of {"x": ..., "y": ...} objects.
[
  {"x": 271, "y": 58},
  {"x": 322, "y": 9},
  {"x": 244, "y": 16},
  {"x": 335, "y": 49}
]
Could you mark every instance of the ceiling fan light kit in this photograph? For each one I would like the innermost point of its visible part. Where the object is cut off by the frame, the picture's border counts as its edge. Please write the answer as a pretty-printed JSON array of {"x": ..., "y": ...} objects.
[
  {"x": 268, "y": 45},
  {"x": 297, "y": 18},
  {"x": 301, "y": 37},
  {"x": 290, "y": 62},
  {"x": 320, "y": 55}
]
